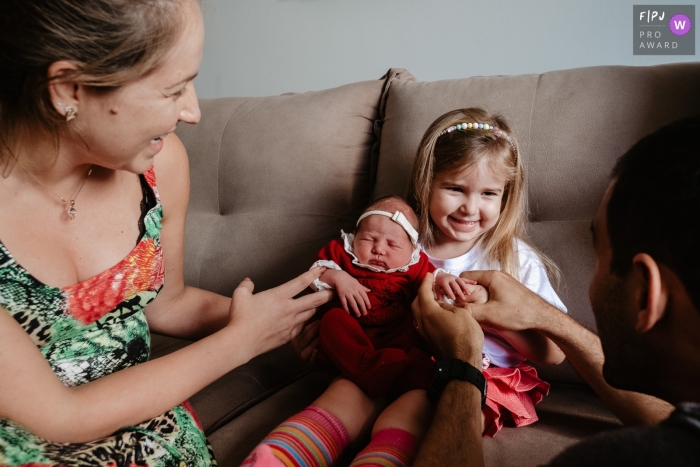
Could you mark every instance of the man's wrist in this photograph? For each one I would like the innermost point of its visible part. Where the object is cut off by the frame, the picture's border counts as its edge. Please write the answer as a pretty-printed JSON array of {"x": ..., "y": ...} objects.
[{"x": 450, "y": 369}]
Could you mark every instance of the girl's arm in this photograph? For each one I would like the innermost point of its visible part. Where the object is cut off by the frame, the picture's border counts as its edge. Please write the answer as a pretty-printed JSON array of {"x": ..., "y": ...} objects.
[
  {"x": 534, "y": 346},
  {"x": 529, "y": 343}
]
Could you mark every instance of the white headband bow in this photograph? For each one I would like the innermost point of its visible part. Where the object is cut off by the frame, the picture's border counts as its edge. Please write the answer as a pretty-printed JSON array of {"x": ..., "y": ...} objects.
[{"x": 397, "y": 217}]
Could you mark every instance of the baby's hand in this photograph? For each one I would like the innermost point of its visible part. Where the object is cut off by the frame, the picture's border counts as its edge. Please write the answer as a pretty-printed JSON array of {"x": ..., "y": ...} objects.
[
  {"x": 351, "y": 293},
  {"x": 455, "y": 288},
  {"x": 477, "y": 294}
]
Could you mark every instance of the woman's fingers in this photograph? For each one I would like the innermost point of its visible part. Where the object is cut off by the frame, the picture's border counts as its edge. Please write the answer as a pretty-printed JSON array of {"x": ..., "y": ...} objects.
[
  {"x": 246, "y": 287},
  {"x": 298, "y": 284},
  {"x": 311, "y": 300}
]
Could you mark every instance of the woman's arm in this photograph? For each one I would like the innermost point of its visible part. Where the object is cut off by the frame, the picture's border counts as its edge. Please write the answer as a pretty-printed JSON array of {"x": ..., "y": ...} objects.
[
  {"x": 33, "y": 396},
  {"x": 180, "y": 311}
]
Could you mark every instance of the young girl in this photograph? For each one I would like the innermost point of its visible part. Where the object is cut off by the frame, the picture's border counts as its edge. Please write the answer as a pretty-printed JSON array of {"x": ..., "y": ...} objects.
[
  {"x": 367, "y": 335},
  {"x": 468, "y": 190}
]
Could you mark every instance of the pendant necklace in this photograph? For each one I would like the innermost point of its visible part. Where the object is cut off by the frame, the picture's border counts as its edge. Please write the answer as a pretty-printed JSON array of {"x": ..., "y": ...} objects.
[{"x": 71, "y": 201}]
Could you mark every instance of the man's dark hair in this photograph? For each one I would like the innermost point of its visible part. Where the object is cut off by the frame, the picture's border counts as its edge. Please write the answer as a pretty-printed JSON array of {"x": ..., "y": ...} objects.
[{"x": 654, "y": 207}]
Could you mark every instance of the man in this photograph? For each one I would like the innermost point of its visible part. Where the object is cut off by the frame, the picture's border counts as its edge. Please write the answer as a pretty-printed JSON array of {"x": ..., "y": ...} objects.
[{"x": 645, "y": 295}]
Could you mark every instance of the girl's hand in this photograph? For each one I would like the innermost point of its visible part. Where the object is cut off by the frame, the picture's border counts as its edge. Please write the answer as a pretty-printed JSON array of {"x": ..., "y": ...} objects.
[
  {"x": 455, "y": 288},
  {"x": 352, "y": 294},
  {"x": 273, "y": 317}
]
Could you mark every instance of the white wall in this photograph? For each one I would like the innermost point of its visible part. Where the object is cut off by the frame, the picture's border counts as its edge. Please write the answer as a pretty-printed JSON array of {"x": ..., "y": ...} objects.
[{"x": 265, "y": 47}]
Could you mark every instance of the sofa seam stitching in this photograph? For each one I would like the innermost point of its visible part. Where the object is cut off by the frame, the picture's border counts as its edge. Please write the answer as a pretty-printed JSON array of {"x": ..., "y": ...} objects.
[
  {"x": 532, "y": 111},
  {"x": 218, "y": 161},
  {"x": 206, "y": 247},
  {"x": 218, "y": 197},
  {"x": 529, "y": 142}
]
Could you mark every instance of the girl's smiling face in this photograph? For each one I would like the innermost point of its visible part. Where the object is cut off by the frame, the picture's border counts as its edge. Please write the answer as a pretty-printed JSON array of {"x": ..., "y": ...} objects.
[
  {"x": 463, "y": 206},
  {"x": 382, "y": 243}
]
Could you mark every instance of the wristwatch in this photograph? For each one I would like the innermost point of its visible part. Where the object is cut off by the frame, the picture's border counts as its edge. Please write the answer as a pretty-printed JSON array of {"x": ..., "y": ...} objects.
[{"x": 452, "y": 368}]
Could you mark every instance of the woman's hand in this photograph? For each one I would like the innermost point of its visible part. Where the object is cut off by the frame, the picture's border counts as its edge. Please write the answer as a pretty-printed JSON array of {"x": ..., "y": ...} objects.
[
  {"x": 273, "y": 317},
  {"x": 451, "y": 330}
]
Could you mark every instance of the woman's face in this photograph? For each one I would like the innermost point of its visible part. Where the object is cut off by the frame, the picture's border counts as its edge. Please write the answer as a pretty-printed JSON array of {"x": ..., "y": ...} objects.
[{"x": 126, "y": 128}]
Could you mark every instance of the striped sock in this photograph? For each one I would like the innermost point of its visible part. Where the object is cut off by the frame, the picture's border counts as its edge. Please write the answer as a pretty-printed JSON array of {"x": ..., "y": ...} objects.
[
  {"x": 313, "y": 437},
  {"x": 392, "y": 447}
]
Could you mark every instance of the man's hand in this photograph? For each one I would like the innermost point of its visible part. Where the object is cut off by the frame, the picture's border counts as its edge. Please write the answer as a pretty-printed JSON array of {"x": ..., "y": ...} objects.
[
  {"x": 511, "y": 305},
  {"x": 452, "y": 331},
  {"x": 477, "y": 294}
]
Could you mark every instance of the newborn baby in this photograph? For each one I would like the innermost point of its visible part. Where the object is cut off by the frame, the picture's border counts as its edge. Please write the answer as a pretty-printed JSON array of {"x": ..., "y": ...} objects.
[{"x": 376, "y": 273}]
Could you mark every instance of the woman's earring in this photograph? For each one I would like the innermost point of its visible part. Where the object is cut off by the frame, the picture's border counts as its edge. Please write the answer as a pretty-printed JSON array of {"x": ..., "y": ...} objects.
[{"x": 70, "y": 113}]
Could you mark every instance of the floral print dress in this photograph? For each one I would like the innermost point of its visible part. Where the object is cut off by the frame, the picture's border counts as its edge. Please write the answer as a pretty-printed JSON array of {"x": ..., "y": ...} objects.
[{"x": 89, "y": 330}]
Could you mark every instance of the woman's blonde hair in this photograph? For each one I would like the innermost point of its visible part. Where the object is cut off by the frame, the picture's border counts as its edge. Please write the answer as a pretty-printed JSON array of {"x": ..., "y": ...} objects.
[
  {"x": 111, "y": 43},
  {"x": 444, "y": 153}
]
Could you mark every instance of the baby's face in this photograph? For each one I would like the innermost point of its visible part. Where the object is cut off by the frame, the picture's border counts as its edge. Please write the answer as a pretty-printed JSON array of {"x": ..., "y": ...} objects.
[{"x": 382, "y": 243}]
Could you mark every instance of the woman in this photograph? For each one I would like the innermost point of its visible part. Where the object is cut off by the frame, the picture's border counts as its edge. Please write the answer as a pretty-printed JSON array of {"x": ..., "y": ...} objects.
[{"x": 91, "y": 252}]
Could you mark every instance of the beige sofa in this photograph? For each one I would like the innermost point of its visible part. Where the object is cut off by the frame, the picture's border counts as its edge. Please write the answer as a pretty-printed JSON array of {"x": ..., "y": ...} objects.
[{"x": 275, "y": 178}]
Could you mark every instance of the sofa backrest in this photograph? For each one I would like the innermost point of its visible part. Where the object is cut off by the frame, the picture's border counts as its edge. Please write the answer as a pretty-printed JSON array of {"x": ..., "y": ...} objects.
[{"x": 275, "y": 178}]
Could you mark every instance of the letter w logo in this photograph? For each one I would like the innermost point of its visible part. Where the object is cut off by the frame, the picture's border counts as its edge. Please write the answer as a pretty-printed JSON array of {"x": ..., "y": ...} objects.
[{"x": 679, "y": 25}]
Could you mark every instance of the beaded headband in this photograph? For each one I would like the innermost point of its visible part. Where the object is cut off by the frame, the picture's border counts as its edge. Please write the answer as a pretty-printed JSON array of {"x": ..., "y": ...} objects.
[
  {"x": 397, "y": 217},
  {"x": 482, "y": 126}
]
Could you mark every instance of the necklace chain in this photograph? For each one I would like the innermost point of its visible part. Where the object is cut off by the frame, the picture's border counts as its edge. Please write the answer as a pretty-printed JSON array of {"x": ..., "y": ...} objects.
[{"x": 71, "y": 202}]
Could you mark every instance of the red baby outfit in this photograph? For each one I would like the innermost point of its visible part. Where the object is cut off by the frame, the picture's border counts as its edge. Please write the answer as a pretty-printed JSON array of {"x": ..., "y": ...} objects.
[{"x": 380, "y": 352}]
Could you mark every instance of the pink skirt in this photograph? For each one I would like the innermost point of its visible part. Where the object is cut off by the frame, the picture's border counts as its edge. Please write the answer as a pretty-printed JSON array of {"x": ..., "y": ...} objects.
[{"x": 512, "y": 394}]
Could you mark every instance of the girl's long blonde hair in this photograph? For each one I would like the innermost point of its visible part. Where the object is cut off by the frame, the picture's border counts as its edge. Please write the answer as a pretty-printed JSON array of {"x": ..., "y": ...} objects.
[{"x": 458, "y": 150}]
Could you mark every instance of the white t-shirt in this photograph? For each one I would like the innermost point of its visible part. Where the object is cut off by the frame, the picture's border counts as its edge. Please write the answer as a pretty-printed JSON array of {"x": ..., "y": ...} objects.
[{"x": 532, "y": 275}]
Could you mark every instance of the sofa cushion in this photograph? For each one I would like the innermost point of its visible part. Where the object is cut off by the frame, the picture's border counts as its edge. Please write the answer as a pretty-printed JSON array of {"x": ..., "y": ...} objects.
[
  {"x": 288, "y": 173},
  {"x": 571, "y": 126}
]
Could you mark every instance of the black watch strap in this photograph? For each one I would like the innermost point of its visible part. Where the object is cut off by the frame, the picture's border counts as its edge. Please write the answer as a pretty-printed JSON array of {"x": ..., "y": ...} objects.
[{"x": 452, "y": 368}]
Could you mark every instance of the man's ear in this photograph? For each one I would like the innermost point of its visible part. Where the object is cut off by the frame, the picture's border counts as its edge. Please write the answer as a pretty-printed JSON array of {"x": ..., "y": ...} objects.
[
  {"x": 652, "y": 292},
  {"x": 63, "y": 93}
]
